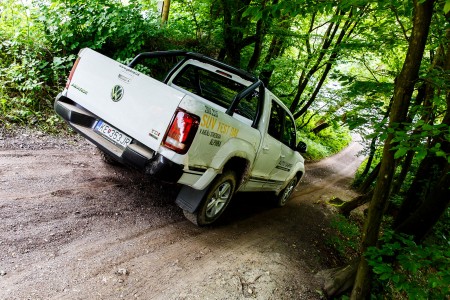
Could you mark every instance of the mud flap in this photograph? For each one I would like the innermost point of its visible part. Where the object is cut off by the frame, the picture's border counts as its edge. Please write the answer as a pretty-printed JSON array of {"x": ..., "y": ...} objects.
[{"x": 189, "y": 199}]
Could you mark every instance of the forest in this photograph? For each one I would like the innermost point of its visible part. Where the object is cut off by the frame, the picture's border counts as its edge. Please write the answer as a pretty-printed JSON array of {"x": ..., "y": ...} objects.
[{"x": 379, "y": 69}]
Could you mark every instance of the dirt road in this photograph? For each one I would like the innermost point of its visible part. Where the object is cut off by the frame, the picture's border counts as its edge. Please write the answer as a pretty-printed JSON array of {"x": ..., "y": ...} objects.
[{"x": 72, "y": 227}]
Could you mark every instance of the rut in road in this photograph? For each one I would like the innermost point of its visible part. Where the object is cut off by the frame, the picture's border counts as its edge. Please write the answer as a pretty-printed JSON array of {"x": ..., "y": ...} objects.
[{"x": 73, "y": 227}]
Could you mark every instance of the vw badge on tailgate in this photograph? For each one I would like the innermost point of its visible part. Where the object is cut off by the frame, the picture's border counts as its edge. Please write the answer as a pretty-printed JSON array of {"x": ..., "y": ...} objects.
[{"x": 117, "y": 93}]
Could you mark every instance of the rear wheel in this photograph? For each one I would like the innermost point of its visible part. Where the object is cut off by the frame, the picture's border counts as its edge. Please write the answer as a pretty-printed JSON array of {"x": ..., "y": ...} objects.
[
  {"x": 285, "y": 194},
  {"x": 215, "y": 201}
]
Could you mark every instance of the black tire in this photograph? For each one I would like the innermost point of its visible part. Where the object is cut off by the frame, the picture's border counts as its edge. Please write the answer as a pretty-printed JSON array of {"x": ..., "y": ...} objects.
[
  {"x": 107, "y": 158},
  {"x": 215, "y": 200},
  {"x": 286, "y": 193}
]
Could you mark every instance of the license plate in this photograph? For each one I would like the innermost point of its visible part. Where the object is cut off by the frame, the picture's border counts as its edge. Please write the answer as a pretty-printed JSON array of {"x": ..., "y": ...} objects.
[{"x": 112, "y": 134}]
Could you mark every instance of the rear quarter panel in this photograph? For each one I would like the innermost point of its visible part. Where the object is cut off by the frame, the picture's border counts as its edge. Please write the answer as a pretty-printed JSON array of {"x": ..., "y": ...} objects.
[{"x": 219, "y": 137}]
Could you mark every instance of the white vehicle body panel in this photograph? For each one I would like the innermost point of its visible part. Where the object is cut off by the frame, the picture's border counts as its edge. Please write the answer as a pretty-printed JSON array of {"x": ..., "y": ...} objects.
[{"x": 147, "y": 108}]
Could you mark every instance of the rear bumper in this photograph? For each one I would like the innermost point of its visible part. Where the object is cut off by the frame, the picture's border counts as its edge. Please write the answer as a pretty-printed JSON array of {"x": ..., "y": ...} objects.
[{"x": 135, "y": 154}]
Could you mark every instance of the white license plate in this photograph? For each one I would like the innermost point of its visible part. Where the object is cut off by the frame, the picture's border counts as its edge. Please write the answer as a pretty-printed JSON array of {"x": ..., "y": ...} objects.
[{"x": 112, "y": 134}]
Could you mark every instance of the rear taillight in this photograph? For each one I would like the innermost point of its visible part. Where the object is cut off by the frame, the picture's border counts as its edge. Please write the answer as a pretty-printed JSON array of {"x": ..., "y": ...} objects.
[
  {"x": 71, "y": 72},
  {"x": 181, "y": 132}
]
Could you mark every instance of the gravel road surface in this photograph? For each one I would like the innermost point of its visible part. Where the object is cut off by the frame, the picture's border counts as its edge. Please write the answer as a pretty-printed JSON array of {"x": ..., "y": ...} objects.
[{"x": 72, "y": 227}]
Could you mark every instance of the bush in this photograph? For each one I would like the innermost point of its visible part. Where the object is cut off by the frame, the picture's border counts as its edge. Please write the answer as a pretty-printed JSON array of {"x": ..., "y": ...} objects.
[
  {"x": 327, "y": 142},
  {"x": 405, "y": 270},
  {"x": 39, "y": 42}
]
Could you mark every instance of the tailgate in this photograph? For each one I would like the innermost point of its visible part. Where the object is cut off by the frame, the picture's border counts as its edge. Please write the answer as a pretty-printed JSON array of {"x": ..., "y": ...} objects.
[{"x": 134, "y": 103}]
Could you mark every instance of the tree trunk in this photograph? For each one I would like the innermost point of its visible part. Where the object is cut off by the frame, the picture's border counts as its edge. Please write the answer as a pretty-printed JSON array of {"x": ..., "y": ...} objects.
[
  {"x": 275, "y": 51},
  {"x": 259, "y": 37},
  {"x": 424, "y": 218},
  {"x": 424, "y": 198},
  {"x": 431, "y": 167},
  {"x": 405, "y": 169},
  {"x": 260, "y": 33},
  {"x": 426, "y": 215},
  {"x": 373, "y": 144},
  {"x": 338, "y": 280},
  {"x": 327, "y": 41},
  {"x": 356, "y": 202},
  {"x": 403, "y": 90},
  {"x": 320, "y": 127},
  {"x": 365, "y": 186},
  {"x": 372, "y": 150},
  {"x": 165, "y": 12},
  {"x": 233, "y": 27}
]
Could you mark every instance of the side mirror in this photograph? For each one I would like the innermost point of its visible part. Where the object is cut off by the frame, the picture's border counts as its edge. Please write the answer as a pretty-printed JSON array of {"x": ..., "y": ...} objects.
[{"x": 301, "y": 147}]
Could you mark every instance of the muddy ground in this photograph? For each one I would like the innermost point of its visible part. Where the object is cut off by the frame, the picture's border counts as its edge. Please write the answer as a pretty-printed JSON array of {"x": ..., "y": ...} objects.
[{"x": 72, "y": 227}]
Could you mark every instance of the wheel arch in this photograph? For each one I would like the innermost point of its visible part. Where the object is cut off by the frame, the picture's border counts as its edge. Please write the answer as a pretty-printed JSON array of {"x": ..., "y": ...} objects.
[{"x": 240, "y": 166}]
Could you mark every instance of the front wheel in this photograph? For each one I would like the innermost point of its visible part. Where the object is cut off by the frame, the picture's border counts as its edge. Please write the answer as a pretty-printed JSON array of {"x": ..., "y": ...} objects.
[
  {"x": 285, "y": 194},
  {"x": 215, "y": 201}
]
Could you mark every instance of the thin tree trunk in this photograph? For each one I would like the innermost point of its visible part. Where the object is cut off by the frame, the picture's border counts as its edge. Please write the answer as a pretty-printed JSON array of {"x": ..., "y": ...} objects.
[
  {"x": 320, "y": 127},
  {"x": 404, "y": 88},
  {"x": 430, "y": 171},
  {"x": 165, "y": 12},
  {"x": 425, "y": 94},
  {"x": 405, "y": 169},
  {"x": 426, "y": 174},
  {"x": 261, "y": 26},
  {"x": 328, "y": 66},
  {"x": 275, "y": 51},
  {"x": 420, "y": 223},
  {"x": 367, "y": 183},
  {"x": 328, "y": 39},
  {"x": 259, "y": 36},
  {"x": 372, "y": 148}
]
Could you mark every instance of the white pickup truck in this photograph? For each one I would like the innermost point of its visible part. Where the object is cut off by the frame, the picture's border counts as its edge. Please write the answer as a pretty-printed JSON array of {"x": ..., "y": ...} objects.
[{"x": 211, "y": 127}]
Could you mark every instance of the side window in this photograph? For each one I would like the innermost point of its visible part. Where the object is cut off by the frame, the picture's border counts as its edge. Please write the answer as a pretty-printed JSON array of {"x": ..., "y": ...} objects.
[
  {"x": 289, "y": 135},
  {"x": 281, "y": 126},
  {"x": 209, "y": 85},
  {"x": 248, "y": 106},
  {"x": 276, "y": 121}
]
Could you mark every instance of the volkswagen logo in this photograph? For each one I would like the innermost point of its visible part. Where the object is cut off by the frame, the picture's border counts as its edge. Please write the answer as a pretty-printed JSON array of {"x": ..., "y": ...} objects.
[{"x": 117, "y": 93}]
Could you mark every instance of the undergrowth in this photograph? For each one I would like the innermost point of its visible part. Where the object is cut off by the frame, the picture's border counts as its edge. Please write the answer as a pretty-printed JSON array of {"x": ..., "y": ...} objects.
[
  {"x": 39, "y": 43},
  {"x": 327, "y": 142}
]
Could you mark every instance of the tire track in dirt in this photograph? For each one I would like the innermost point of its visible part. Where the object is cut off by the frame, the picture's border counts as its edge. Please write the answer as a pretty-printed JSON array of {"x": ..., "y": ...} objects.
[{"x": 74, "y": 228}]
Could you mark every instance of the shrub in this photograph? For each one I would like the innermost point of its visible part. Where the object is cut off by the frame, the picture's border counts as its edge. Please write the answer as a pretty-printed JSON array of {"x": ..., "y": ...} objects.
[{"x": 406, "y": 270}]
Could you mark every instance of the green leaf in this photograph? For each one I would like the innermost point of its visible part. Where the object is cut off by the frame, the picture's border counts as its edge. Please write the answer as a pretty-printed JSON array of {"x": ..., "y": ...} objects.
[
  {"x": 421, "y": 153},
  {"x": 447, "y": 6},
  {"x": 440, "y": 153},
  {"x": 400, "y": 152}
]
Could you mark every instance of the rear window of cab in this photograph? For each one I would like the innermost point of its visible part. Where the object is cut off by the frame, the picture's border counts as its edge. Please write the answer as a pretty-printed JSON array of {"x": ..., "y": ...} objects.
[{"x": 217, "y": 88}]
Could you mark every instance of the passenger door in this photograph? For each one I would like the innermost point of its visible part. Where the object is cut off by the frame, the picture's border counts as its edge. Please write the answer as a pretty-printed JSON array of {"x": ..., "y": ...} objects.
[
  {"x": 265, "y": 174},
  {"x": 283, "y": 127},
  {"x": 288, "y": 144}
]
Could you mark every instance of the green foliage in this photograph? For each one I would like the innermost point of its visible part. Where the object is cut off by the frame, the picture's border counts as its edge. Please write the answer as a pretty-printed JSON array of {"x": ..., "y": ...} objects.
[
  {"x": 109, "y": 26},
  {"x": 327, "y": 142},
  {"x": 27, "y": 70},
  {"x": 345, "y": 237},
  {"x": 39, "y": 42},
  {"x": 416, "y": 140},
  {"x": 406, "y": 270}
]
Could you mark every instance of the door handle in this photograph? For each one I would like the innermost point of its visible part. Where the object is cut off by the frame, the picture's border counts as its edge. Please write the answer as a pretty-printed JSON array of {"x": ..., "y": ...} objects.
[
  {"x": 282, "y": 156},
  {"x": 266, "y": 148}
]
